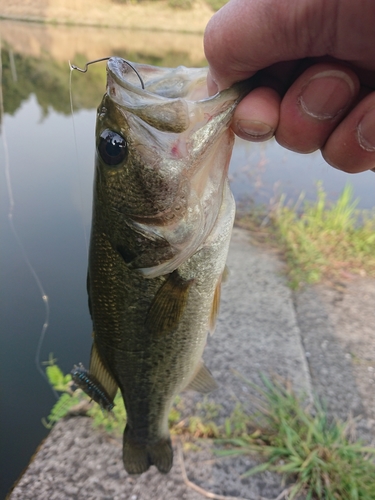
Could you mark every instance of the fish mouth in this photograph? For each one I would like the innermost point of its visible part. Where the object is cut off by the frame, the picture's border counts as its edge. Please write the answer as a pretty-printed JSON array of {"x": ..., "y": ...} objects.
[
  {"x": 166, "y": 83},
  {"x": 162, "y": 103},
  {"x": 172, "y": 98},
  {"x": 181, "y": 145}
]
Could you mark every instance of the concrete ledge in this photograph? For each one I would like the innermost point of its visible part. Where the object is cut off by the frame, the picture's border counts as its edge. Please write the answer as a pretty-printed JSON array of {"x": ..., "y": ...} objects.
[{"x": 262, "y": 328}]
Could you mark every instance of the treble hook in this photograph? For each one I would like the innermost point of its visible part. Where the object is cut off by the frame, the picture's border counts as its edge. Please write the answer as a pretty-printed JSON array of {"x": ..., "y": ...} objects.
[{"x": 72, "y": 66}]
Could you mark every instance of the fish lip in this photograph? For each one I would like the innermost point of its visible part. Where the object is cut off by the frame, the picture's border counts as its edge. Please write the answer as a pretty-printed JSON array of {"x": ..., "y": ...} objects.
[
  {"x": 158, "y": 104},
  {"x": 117, "y": 68},
  {"x": 124, "y": 75}
]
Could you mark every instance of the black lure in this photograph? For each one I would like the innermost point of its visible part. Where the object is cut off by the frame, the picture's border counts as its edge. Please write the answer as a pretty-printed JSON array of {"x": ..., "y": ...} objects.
[{"x": 92, "y": 387}]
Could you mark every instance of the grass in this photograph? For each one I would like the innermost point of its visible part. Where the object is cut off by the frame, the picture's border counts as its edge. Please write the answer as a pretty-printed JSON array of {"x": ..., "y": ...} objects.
[
  {"x": 182, "y": 4},
  {"x": 302, "y": 444},
  {"x": 314, "y": 453},
  {"x": 216, "y": 4},
  {"x": 75, "y": 401},
  {"x": 185, "y": 16},
  {"x": 323, "y": 241}
]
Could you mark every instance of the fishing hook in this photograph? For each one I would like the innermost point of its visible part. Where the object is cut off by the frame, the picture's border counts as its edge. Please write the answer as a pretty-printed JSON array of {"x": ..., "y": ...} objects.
[{"x": 72, "y": 66}]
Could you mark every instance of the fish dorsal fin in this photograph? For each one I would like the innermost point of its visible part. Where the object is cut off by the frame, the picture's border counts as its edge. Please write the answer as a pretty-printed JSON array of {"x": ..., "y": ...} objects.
[
  {"x": 101, "y": 373},
  {"x": 168, "y": 305},
  {"x": 202, "y": 380}
]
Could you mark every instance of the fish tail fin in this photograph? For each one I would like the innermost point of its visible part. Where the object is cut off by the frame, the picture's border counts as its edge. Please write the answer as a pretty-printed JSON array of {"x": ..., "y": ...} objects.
[
  {"x": 161, "y": 455},
  {"x": 138, "y": 456}
]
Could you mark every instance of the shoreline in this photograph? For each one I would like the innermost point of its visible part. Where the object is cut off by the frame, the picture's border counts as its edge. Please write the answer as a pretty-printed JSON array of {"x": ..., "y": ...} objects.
[
  {"x": 147, "y": 16},
  {"x": 69, "y": 24},
  {"x": 62, "y": 42}
]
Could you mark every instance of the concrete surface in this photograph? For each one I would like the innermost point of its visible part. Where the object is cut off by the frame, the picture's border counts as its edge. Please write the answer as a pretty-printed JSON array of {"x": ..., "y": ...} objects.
[
  {"x": 322, "y": 339},
  {"x": 337, "y": 326}
]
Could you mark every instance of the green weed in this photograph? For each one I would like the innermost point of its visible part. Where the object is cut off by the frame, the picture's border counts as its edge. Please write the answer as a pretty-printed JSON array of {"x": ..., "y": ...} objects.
[
  {"x": 326, "y": 240},
  {"x": 237, "y": 424},
  {"x": 216, "y": 4},
  {"x": 323, "y": 241},
  {"x": 181, "y": 4},
  {"x": 200, "y": 425},
  {"x": 302, "y": 444},
  {"x": 76, "y": 401},
  {"x": 293, "y": 439},
  {"x": 112, "y": 422}
]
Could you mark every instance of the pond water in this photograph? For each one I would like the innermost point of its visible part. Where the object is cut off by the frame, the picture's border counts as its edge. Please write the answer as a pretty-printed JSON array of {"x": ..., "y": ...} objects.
[{"x": 46, "y": 193}]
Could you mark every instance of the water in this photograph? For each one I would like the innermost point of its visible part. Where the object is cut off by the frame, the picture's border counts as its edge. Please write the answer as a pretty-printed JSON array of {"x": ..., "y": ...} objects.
[{"x": 52, "y": 184}]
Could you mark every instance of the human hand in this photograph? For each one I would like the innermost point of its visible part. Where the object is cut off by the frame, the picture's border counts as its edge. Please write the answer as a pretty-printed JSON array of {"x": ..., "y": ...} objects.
[{"x": 316, "y": 64}]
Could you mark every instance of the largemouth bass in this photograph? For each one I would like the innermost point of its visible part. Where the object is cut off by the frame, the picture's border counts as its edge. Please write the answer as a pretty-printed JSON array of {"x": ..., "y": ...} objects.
[{"x": 162, "y": 219}]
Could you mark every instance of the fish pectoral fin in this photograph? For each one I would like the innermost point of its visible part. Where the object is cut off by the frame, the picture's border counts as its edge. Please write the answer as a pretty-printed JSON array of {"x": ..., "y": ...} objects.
[
  {"x": 215, "y": 307},
  {"x": 168, "y": 305},
  {"x": 202, "y": 380},
  {"x": 216, "y": 300},
  {"x": 98, "y": 370}
]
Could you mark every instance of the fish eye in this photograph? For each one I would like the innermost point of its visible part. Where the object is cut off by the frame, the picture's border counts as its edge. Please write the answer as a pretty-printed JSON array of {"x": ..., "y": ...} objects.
[{"x": 112, "y": 147}]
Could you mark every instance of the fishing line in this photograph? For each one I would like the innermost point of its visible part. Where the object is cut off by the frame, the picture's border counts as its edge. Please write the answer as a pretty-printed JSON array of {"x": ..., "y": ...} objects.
[
  {"x": 84, "y": 70},
  {"x": 78, "y": 158},
  {"x": 25, "y": 257}
]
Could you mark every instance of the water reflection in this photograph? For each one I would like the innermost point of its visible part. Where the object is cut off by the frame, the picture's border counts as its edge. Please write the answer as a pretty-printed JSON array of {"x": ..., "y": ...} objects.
[
  {"x": 47, "y": 217},
  {"x": 35, "y": 60},
  {"x": 51, "y": 168},
  {"x": 262, "y": 172}
]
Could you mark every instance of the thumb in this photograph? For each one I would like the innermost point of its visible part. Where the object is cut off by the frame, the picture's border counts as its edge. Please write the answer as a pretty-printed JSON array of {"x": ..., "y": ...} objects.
[{"x": 249, "y": 35}]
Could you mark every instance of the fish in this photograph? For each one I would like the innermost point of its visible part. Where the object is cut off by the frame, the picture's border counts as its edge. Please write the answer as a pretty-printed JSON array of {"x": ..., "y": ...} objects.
[{"x": 162, "y": 219}]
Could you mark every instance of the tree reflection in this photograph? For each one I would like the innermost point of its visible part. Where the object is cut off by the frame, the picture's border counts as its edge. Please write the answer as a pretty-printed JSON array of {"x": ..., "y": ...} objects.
[{"x": 49, "y": 79}]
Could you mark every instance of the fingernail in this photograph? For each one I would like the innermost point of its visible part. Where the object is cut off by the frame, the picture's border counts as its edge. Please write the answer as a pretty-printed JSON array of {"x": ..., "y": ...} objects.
[
  {"x": 366, "y": 131},
  {"x": 255, "y": 130},
  {"x": 327, "y": 94}
]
